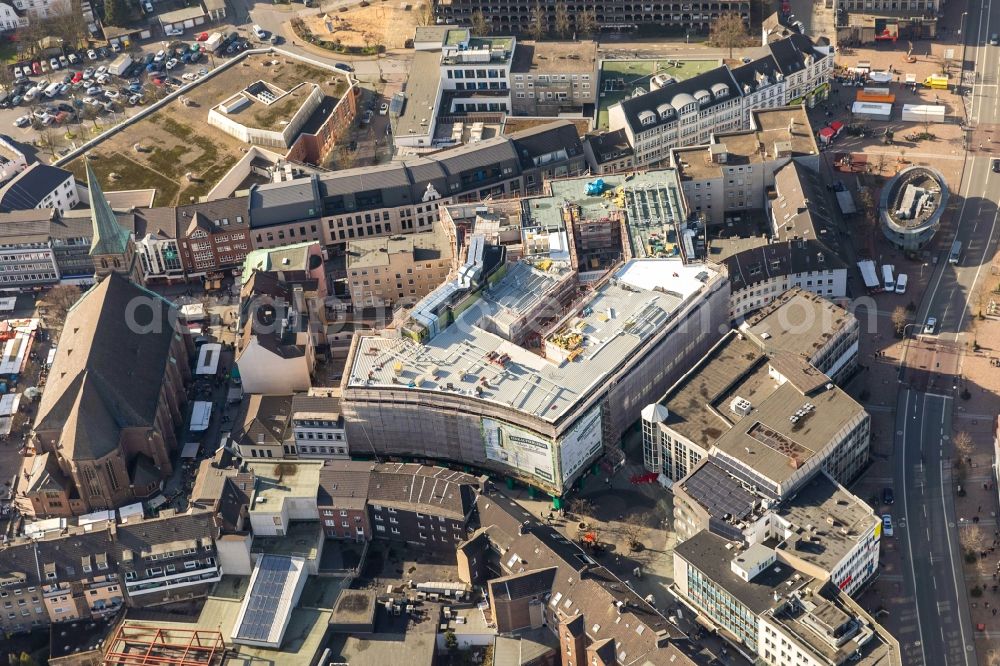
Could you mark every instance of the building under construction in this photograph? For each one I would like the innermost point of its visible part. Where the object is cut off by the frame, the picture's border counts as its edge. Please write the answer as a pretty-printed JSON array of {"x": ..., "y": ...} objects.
[{"x": 152, "y": 645}]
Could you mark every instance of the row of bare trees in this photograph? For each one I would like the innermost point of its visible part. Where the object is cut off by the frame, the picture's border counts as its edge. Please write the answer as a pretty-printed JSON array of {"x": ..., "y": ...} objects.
[{"x": 728, "y": 31}]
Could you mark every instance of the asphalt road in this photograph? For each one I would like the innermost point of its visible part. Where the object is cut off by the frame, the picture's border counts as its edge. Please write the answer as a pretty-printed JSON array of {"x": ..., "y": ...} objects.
[{"x": 926, "y": 523}]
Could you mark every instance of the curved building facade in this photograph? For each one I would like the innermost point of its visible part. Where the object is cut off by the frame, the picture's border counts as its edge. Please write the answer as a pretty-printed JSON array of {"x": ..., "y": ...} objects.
[{"x": 911, "y": 206}]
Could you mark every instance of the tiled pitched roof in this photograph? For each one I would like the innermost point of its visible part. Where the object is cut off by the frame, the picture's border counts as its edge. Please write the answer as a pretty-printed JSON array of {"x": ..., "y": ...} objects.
[
  {"x": 433, "y": 489},
  {"x": 170, "y": 532},
  {"x": 118, "y": 380},
  {"x": 581, "y": 587},
  {"x": 527, "y": 584}
]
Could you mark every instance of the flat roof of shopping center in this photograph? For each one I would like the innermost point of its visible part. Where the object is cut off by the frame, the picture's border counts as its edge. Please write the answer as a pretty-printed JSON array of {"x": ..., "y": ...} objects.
[{"x": 615, "y": 321}]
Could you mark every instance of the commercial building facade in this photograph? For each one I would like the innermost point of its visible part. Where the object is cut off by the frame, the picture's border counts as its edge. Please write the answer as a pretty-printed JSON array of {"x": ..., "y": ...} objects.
[{"x": 689, "y": 112}]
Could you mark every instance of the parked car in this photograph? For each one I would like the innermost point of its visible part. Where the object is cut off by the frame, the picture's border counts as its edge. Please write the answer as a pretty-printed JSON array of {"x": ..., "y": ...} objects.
[
  {"x": 103, "y": 52},
  {"x": 103, "y": 78},
  {"x": 996, "y": 166},
  {"x": 64, "y": 61},
  {"x": 74, "y": 58},
  {"x": 88, "y": 73},
  {"x": 148, "y": 58},
  {"x": 195, "y": 57},
  {"x": 259, "y": 32},
  {"x": 344, "y": 67},
  {"x": 63, "y": 89},
  {"x": 134, "y": 99},
  {"x": 383, "y": 108},
  {"x": 22, "y": 121},
  {"x": 887, "y": 496},
  {"x": 202, "y": 37},
  {"x": 930, "y": 326},
  {"x": 160, "y": 55},
  {"x": 171, "y": 63},
  {"x": 116, "y": 47},
  {"x": 887, "y": 525},
  {"x": 91, "y": 54},
  {"x": 101, "y": 70},
  {"x": 16, "y": 101},
  {"x": 54, "y": 64},
  {"x": 94, "y": 90},
  {"x": 190, "y": 76}
]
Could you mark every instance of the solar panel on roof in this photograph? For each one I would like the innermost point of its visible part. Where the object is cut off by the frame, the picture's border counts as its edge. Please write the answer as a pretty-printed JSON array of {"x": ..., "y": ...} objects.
[
  {"x": 719, "y": 493},
  {"x": 272, "y": 575}
]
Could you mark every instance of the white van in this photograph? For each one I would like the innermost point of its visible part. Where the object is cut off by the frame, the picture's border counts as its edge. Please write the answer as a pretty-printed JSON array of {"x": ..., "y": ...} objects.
[
  {"x": 901, "y": 283},
  {"x": 888, "y": 282},
  {"x": 52, "y": 90}
]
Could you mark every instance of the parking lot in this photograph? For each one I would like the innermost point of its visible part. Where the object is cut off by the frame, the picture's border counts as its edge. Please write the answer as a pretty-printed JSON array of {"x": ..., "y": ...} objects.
[{"x": 89, "y": 96}]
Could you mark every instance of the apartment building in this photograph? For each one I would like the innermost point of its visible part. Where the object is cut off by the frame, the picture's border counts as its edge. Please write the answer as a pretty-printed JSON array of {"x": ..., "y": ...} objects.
[
  {"x": 535, "y": 578},
  {"x": 10, "y": 20},
  {"x": 281, "y": 322},
  {"x": 403, "y": 197},
  {"x": 803, "y": 248},
  {"x": 91, "y": 569},
  {"x": 212, "y": 236},
  {"x": 342, "y": 500},
  {"x": 747, "y": 408},
  {"x": 689, "y": 112},
  {"x": 26, "y": 256},
  {"x": 40, "y": 186},
  {"x": 549, "y": 78},
  {"x": 421, "y": 505},
  {"x": 736, "y": 171},
  {"x": 109, "y": 434},
  {"x": 155, "y": 234},
  {"x": 318, "y": 427},
  {"x": 262, "y": 427},
  {"x": 683, "y": 113},
  {"x": 397, "y": 271},
  {"x": 58, "y": 578},
  {"x": 168, "y": 559},
  {"x": 300, "y": 426},
  {"x": 509, "y": 17},
  {"x": 771, "y": 611},
  {"x": 609, "y": 152}
]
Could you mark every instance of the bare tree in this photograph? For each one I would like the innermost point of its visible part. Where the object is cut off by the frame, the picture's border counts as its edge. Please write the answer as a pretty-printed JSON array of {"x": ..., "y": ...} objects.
[
  {"x": 899, "y": 319},
  {"x": 480, "y": 26},
  {"x": 563, "y": 25},
  {"x": 57, "y": 303},
  {"x": 47, "y": 140},
  {"x": 425, "y": 13},
  {"x": 963, "y": 444},
  {"x": 728, "y": 32},
  {"x": 632, "y": 530},
  {"x": 880, "y": 163},
  {"x": 579, "y": 506},
  {"x": 539, "y": 23},
  {"x": 868, "y": 204},
  {"x": 586, "y": 23}
]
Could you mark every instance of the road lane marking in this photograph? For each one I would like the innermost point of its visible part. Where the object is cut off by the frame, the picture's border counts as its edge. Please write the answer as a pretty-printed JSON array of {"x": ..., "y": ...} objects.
[
  {"x": 986, "y": 248},
  {"x": 951, "y": 558},
  {"x": 909, "y": 546}
]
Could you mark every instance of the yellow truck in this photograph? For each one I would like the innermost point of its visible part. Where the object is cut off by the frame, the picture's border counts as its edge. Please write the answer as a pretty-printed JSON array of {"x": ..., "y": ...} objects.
[{"x": 938, "y": 81}]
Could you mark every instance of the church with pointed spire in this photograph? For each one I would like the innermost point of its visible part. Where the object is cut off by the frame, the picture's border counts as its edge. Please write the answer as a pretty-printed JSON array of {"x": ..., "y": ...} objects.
[{"x": 112, "y": 247}]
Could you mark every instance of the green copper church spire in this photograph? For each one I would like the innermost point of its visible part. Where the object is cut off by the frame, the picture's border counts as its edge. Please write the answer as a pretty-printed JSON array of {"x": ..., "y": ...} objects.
[{"x": 109, "y": 236}]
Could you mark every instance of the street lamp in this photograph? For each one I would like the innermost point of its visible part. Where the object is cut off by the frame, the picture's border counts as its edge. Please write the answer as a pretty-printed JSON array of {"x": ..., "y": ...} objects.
[{"x": 965, "y": 44}]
